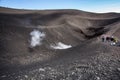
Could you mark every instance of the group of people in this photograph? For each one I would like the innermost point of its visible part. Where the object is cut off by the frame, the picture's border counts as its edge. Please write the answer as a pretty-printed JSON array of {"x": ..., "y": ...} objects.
[{"x": 113, "y": 40}]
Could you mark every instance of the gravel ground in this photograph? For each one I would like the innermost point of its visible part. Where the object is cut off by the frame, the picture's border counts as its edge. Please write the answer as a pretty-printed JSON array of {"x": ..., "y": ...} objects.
[{"x": 104, "y": 66}]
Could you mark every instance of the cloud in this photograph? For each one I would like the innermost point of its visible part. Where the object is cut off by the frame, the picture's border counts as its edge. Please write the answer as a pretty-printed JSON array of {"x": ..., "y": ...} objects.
[
  {"x": 109, "y": 8},
  {"x": 36, "y": 38}
]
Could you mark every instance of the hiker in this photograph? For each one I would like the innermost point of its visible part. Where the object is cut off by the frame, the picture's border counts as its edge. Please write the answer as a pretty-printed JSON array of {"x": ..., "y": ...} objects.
[
  {"x": 114, "y": 41},
  {"x": 108, "y": 38},
  {"x": 103, "y": 38}
]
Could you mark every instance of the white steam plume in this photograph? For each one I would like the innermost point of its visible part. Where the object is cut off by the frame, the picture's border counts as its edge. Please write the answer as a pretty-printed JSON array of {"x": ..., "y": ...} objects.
[
  {"x": 36, "y": 38},
  {"x": 60, "y": 45}
]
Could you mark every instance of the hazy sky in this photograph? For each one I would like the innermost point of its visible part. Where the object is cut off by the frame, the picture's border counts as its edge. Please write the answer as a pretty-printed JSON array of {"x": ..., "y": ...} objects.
[{"x": 86, "y": 5}]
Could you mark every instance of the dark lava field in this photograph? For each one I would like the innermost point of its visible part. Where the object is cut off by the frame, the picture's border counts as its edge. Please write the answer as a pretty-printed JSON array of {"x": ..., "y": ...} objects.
[{"x": 61, "y": 44}]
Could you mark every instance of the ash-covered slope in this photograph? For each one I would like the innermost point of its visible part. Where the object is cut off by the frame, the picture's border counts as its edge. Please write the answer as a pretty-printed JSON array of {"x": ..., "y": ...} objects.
[{"x": 54, "y": 37}]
